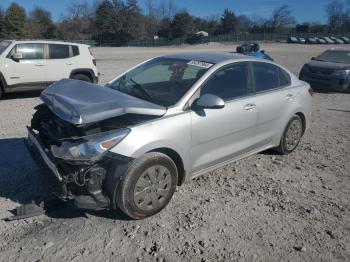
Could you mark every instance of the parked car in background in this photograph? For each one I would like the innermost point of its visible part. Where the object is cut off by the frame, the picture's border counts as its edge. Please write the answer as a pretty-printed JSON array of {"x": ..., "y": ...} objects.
[
  {"x": 330, "y": 71},
  {"x": 253, "y": 49},
  {"x": 337, "y": 40},
  {"x": 30, "y": 65},
  {"x": 345, "y": 39},
  {"x": 301, "y": 40},
  {"x": 292, "y": 40},
  {"x": 321, "y": 41},
  {"x": 311, "y": 40},
  {"x": 163, "y": 122},
  {"x": 328, "y": 40}
]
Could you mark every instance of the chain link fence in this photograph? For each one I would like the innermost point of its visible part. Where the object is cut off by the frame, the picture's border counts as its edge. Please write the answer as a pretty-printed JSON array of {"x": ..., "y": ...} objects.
[{"x": 232, "y": 38}]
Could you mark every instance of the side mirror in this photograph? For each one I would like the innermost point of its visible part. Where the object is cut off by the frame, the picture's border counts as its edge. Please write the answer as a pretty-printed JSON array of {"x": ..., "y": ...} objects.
[
  {"x": 17, "y": 56},
  {"x": 313, "y": 58},
  {"x": 210, "y": 101}
]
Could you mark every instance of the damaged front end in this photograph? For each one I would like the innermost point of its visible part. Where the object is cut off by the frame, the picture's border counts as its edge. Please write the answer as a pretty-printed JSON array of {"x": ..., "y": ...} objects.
[
  {"x": 78, "y": 155},
  {"x": 74, "y": 130}
]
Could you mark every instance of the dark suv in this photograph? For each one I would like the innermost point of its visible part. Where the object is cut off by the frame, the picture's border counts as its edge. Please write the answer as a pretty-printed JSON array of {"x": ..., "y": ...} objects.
[{"x": 330, "y": 71}]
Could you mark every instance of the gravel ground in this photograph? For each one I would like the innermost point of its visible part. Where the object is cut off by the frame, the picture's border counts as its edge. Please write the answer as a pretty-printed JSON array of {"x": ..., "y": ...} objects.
[{"x": 263, "y": 208}]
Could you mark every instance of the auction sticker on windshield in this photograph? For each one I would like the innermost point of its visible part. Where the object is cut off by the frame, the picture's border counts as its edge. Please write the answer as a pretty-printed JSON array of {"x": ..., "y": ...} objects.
[{"x": 200, "y": 64}]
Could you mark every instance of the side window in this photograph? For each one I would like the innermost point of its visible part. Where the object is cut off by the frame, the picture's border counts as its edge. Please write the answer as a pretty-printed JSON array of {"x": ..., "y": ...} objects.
[
  {"x": 284, "y": 78},
  {"x": 75, "y": 50},
  {"x": 228, "y": 83},
  {"x": 58, "y": 51},
  {"x": 266, "y": 76},
  {"x": 29, "y": 51}
]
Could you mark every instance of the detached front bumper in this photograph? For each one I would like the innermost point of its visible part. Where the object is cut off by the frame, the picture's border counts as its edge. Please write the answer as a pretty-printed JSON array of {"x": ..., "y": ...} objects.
[
  {"x": 86, "y": 196},
  {"x": 33, "y": 143}
]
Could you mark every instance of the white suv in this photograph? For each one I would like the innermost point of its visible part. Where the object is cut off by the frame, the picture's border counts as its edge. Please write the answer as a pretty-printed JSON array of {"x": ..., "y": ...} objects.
[{"x": 29, "y": 65}]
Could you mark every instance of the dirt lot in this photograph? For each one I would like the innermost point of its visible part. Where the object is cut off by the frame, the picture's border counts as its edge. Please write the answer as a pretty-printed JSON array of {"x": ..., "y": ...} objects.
[{"x": 263, "y": 208}]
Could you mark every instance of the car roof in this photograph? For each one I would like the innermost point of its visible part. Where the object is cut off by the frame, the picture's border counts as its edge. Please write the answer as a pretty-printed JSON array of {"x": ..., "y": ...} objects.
[
  {"x": 42, "y": 41},
  {"x": 210, "y": 57}
]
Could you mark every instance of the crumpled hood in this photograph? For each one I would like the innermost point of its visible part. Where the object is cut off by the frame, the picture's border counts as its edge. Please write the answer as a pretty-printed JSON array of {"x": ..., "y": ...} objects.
[{"x": 81, "y": 102}]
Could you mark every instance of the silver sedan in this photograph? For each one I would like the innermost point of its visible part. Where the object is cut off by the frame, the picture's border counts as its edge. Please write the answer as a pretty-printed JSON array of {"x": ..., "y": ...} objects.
[{"x": 164, "y": 122}]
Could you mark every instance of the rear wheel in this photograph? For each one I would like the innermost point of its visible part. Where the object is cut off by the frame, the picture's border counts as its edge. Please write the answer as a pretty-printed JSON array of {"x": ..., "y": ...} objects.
[
  {"x": 81, "y": 77},
  {"x": 1, "y": 92},
  {"x": 291, "y": 136},
  {"x": 148, "y": 186}
]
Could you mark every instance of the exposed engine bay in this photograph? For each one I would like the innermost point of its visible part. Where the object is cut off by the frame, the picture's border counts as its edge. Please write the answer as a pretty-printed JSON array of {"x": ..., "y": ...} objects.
[
  {"x": 53, "y": 130},
  {"x": 83, "y": 171}
]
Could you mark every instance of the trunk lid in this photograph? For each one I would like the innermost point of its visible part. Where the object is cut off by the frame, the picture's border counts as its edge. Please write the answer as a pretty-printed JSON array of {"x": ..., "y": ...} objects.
[{"x": 81, "y": 102}]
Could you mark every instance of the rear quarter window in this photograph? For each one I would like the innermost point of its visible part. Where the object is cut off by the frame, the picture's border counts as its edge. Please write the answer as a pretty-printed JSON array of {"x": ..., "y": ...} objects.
[
  {"x": 268, "y": 76},
  {"x": 284, "y": 78},
  {"x": 75, "y": 50},
  {"x": 58, "y": 51}
]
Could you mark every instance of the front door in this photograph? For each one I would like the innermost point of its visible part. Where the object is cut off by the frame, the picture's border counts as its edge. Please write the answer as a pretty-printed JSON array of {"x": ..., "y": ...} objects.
[
  {"x": 28, "y": 71},
  {"x": 221, "y": 134}
]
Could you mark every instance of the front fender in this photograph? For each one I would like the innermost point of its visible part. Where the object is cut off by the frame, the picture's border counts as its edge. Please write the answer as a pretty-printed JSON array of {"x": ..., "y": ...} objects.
[{"x": 172, "y": 132}]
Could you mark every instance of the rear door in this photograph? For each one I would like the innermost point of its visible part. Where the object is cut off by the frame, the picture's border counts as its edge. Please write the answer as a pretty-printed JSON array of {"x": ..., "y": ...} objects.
[
  {"x": 222, "y": 134},
  {"x": 273, "y": 99},
  {"x": 60, "y": 62},
  {"x": 28, "y": 72}
]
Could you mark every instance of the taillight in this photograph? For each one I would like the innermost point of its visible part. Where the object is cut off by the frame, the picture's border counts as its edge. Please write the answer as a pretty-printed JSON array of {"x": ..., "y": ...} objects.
[
  {"x": 311, "y": 91},
  {"x": 94, "y": 61}
]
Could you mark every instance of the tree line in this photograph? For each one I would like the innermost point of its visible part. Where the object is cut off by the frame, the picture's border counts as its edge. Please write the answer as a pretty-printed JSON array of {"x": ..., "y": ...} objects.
[{"x": 124, "y": 20}]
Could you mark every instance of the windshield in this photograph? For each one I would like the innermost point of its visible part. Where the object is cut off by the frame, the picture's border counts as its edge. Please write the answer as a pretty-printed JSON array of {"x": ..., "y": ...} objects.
[
  {"x": 4, "y": 45},
  {"x": 162, "y": 81},
  {"x": 335, "y": 56}
]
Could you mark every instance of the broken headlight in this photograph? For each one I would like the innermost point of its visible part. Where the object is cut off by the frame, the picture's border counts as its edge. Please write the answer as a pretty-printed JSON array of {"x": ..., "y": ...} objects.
[{"x": 89, "y": 148}]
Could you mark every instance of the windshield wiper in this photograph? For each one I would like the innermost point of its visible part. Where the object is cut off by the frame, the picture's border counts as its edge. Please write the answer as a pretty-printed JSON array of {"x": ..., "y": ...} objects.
[{"x": 145, "y": 94}]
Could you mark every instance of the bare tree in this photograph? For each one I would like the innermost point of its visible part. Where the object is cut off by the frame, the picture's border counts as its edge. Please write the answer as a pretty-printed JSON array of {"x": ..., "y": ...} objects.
[
  {"x": 152, "y": 19},
  {"x": 338, "y": 16},
  {"x": 281, "y": 19},
  {"x": 2, "y": 25},
  {"x": 77, "y": 24},
  {"x": 167, "y": 9},
  {"x": 41, "y": 24}
]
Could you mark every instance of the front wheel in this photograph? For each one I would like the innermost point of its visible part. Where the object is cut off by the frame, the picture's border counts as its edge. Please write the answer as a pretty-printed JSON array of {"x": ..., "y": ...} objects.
[
  {"x": 291, "y": 136},
  {"x": 148, "y": 186},
  {"x": 81, "y": 77}
]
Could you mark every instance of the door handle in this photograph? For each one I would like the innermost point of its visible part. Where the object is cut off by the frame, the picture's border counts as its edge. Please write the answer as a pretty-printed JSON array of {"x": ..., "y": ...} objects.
[
  {"x": 69, "y": 63},
  {"x": 39, "y": 64},
  {"x": 249, "y": 107},
  {"x": 289, "y": 97}
]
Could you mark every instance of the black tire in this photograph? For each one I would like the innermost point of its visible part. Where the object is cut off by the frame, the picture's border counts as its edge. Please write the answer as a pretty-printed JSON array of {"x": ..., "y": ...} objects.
[
  {"x": 285, "y": 147},
  {"x": 81, "y": 77},
  {"x": 136, "y": 202},
  {"x": 1, "y": 92}
]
